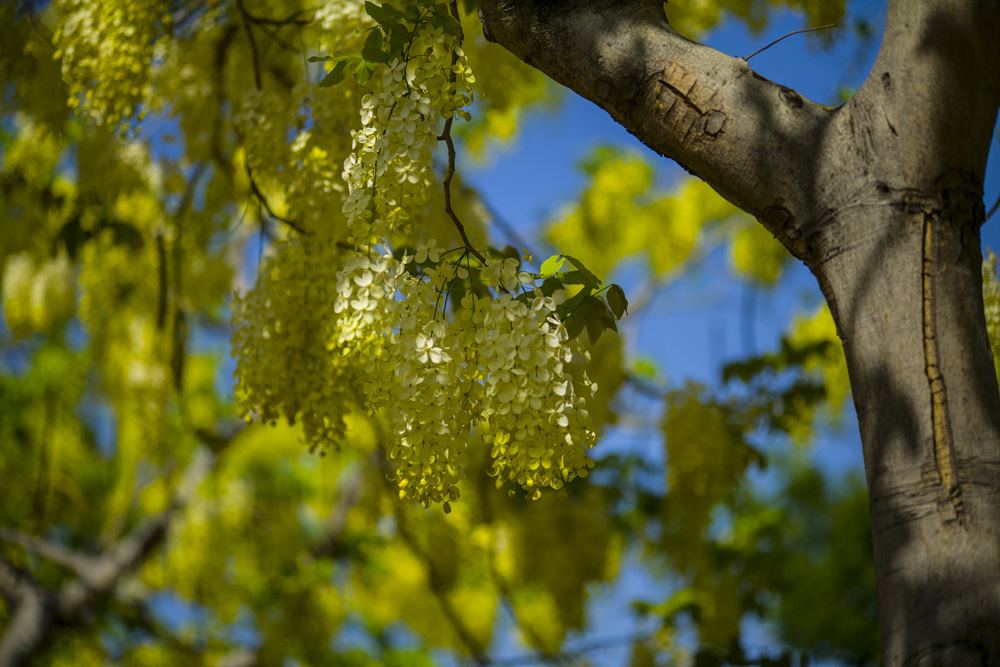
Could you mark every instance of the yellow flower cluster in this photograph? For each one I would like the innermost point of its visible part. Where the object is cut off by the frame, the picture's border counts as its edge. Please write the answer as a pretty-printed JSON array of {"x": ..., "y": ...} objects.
[
  {"x": 37, "y": 295},
  {"x": 262, "y": 121},
  {"x": 500, "y": 364},
  {"x": 106, "y": 49},
  {"x": 281, "y": 331},
  {"x": 495, "y": 361},
  {"x": 316, "y": 186}
]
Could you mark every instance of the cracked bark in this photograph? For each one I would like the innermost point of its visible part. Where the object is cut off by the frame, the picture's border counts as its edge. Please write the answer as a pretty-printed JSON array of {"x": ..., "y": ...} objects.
[{"x": 882, "y": 200}]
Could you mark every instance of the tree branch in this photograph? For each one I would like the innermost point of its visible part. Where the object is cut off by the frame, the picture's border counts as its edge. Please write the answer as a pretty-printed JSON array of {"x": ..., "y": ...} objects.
[
  {"x": 31, "y": 617},
  {"x": 446, "y": 135},
  {"x": 794, "y": 32},
  {"x": 751, "y": 139},
  {"x": 35, "y": 609},
  {"x": 256, "y": 191}
]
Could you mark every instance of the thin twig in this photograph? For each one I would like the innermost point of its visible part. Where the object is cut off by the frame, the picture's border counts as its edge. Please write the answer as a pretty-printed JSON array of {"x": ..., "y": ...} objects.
[
  {"x": 56, "y": 553},
  {"x": 794, "y": 32},
  {"x": 507, "y": 600},
  {"x": 502, "y": 223},
  {"x": 461, "y": 630},
  {"x": 267, "y": 207},
  {"x": 253, "y": 43},
  {"x": 993, "y": 210},
  {"x": 454, "y": 618},
  {"x": 446, "y": 135},
  {"x": 36, "y": 609},
  {"x": 294, "y": 18}
]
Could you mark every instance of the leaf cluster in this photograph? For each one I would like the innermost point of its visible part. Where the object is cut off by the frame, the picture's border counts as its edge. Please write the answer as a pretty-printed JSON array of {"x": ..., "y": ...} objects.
[
  {"x": 588, "y": 304},
  {"x": 389, "y": 39}
]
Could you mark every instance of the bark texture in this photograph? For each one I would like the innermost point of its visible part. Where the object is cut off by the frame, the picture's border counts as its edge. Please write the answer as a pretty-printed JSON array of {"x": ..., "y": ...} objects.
[{"x": 882, "y": 200}]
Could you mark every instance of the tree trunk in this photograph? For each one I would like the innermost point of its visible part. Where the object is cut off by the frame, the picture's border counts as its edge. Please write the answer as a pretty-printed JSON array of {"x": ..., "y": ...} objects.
[{"x": 882, "y": 199}]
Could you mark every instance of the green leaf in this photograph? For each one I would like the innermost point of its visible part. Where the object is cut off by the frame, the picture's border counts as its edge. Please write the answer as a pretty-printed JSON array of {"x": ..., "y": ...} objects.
[
  {"x": 551, "y": 266},
  {"x": 441, "y": 18},
  {"x": 591, "y": 279},
  {"x": 388, "y": 17},
  {"x": 363, "y": 72},
  {"x": 646, "y": 368},
  {"x": 393, "y": 12},
  {"x": 372, "y": 51},
  {"x": 550, "y": 286},
  {"x": 594, "y": 331},
  {"x": 596, "y": 316},
  {"x": 510, "y": 252},
  {"x": 585, "y": 278},
  {"x": 617, "y": 301},
  {"x": 571, "y": 305},
  {"x": 335, "y": 76},
  {"x": 333, "y": 57},
  {"x": 377, "y": 12},
  {"x": 574, "y": 325},
  {"x": 412, "y": 13}
]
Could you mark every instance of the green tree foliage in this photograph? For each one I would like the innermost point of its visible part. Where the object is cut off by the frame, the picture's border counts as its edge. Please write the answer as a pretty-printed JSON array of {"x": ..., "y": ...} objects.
[{"x": 158, "y": 157}]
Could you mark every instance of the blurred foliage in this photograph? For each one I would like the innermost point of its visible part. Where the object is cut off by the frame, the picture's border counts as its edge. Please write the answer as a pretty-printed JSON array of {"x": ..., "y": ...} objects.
[{"x": 119, "y": 250}]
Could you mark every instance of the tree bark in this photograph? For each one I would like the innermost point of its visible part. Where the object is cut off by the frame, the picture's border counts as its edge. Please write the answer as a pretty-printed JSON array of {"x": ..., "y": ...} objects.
[{"x": 882, "y": 200}]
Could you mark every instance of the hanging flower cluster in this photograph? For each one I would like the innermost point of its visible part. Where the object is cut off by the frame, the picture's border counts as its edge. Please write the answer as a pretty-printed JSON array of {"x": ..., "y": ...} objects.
[
  {"x": 446, "y": 340},
  {"x": 281, "y": 330},
  {"x": 106, "y": 49},
  {"x": 37, "y": 295}
]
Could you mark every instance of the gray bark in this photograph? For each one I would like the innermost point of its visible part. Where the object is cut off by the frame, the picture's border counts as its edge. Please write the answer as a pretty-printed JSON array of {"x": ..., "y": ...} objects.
[
  {"x": 882, "y": 200},
  {"x": 35, "y": 610}
]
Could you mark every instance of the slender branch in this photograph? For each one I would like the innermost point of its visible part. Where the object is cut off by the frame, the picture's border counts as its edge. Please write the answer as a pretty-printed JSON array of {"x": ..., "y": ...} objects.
[
  {"x": 255, "y": 189},
  {"x": 162, "y": 282},
  {"x": 446, "y": 136},
  {"x": 34, "y": 609},
  {"x": 502, "y": 223},
  {"x": 295, "y": 18},
  {"x": 272, "y": 32},
  {"x": 507, "y": 600},
  {"x": 794, "y": 32},
  {"x": 993, "y": 210},
  {"x": 253, "y": 42},
  {"x": 221, "y": 55},
  {"x": 68, "y": 558},
  {"x": 31, "y": 615},
  {"x": 330, "y": 545},
  {"x": 437, "y": 590}
]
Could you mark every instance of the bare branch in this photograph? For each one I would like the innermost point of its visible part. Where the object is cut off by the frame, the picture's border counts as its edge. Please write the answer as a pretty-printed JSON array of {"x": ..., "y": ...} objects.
[
  {"x": 794, "y": 32},
  {"x": 34, "y": 609},
  {"x": 253, "y": 43},
  {"x": 32, "y": 614},
  {"x": 330, "y": 546},
  {"x": 68, "y": 558},
  {"x": 255, "y": 189},
  {"x": 449, "y": 174},
  {"x": 446, "y": 136}
]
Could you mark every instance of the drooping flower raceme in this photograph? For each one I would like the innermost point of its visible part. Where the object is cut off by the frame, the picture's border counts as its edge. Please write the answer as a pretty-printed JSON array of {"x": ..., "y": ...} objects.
[{"x": 441, "y": 342}]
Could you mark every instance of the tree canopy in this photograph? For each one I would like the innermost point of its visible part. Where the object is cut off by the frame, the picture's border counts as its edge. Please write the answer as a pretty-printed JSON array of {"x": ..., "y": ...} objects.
[{"x": 279, "y": 386}]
